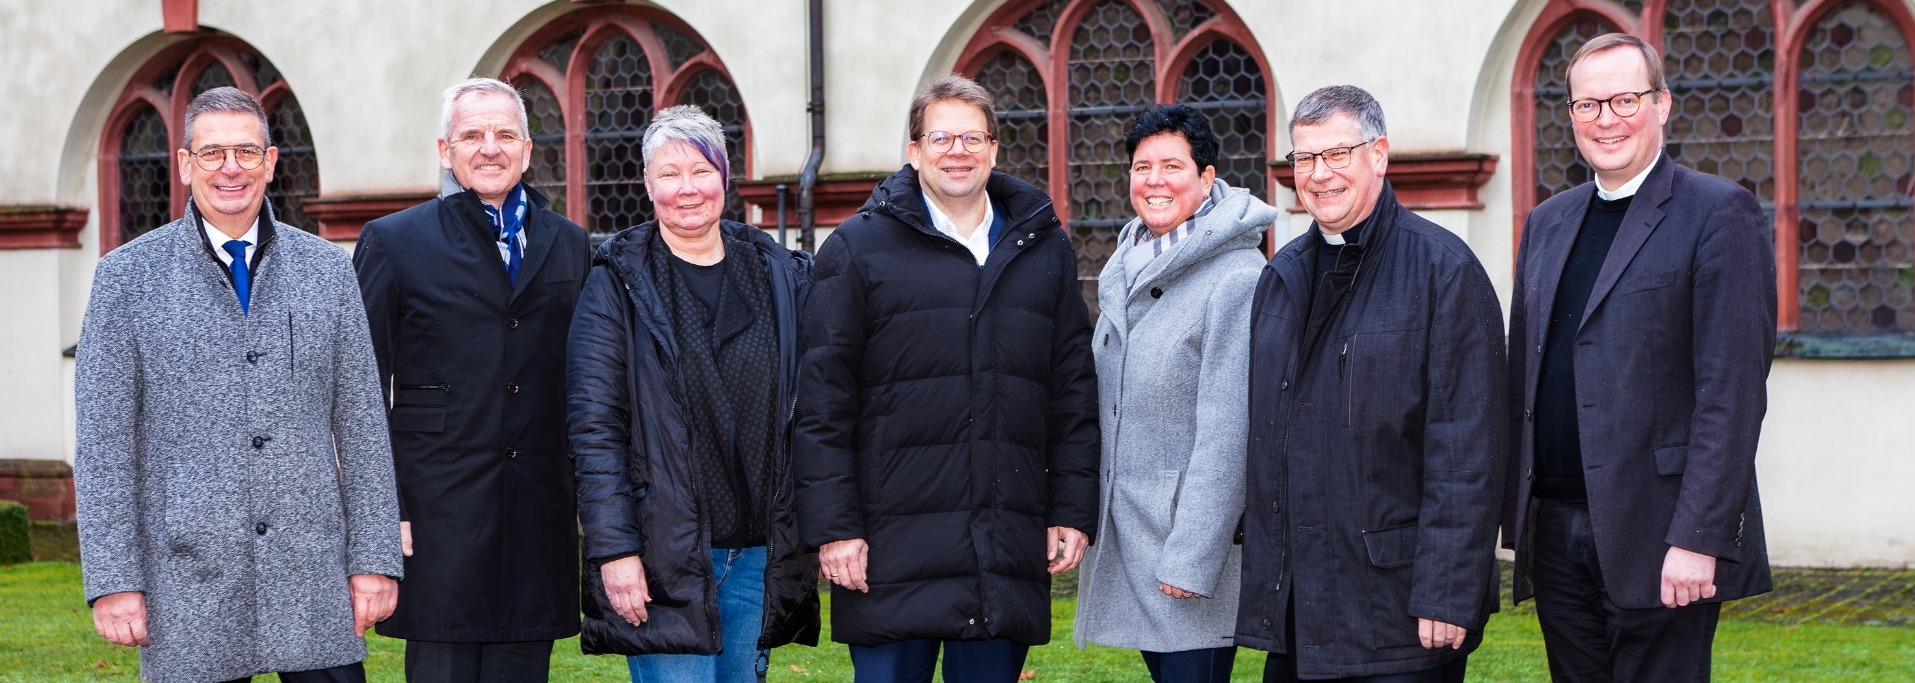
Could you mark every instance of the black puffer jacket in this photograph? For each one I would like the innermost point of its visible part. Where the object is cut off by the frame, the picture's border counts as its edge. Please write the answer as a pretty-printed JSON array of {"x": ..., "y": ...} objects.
[
  {"x": 636, "y": 495},
  {"x": 947, "y": 415}
]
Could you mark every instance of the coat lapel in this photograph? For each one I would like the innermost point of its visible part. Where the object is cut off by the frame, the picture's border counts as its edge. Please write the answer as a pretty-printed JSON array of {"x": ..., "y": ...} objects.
[
  {"x": 1554, "y": 237},
  {"x": 1645, "y": 213},
  {"x": 1111, "y": 291},
  {"x": 538, "y": 245}
]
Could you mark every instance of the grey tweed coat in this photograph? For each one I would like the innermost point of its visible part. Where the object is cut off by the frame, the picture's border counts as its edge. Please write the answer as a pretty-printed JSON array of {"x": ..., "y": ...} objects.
[
  {"x": 1173, "y": 363},
  {"x": 234, "y": 468}
]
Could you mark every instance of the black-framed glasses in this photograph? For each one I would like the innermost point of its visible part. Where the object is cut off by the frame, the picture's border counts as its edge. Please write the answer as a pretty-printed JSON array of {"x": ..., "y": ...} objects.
[
  {"x": 1334, "y": 157},
  {"x": 248, "y": 157},
  {"x": 940, "y": 141},
  {"x": 1624, "y": 105}
]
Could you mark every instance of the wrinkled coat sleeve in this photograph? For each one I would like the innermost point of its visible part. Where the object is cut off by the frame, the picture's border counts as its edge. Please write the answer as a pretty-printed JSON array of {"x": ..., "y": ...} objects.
[
  {"x": 824, "y": 455},
  {"x": 1210, "y": 495},
  {"x": 105, "y": 464},
  {"x": 364, "y": 447},
  {"x": 378, "y": 285},
  {"x": 1734, "y": 338},
  {"x": 1465, "y": 445},
  {"x": 1072, "y": 452},
  {"x": 598, "y": 412}
]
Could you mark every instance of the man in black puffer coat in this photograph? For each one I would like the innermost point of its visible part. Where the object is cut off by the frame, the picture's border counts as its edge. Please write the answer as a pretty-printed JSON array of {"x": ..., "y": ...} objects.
[{"x": 946, "y": 438}]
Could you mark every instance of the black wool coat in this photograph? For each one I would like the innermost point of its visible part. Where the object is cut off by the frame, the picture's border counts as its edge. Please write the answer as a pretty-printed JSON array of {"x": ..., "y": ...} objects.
[
  {"x": 637, "y": 495},
  {"x": 947, "y": 416},
  {"x": 1375, "y": 466},
  {"x": 473, "y": 365}
]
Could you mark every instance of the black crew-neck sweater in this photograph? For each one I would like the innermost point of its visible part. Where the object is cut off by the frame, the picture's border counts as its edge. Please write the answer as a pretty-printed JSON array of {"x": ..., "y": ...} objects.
[{"x": 1559, "y": 453}]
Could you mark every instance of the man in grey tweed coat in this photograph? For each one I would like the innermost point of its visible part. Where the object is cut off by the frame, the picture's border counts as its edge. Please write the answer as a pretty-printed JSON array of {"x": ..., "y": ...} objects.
[{"x": 236, "y": 499}]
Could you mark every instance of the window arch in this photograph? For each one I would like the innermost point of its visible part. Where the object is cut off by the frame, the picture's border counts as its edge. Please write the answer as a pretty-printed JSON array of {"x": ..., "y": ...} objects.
[
  {"x": 1809, "y": 105},
  {"x": 1070, "y": 75},
  {"x": 592, "y": 81},
  {"x": 139, "y": 185}
]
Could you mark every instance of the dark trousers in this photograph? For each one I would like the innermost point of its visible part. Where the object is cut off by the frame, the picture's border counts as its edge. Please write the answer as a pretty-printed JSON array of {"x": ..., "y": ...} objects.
[
  {"x": 436, "y": 662},
  {"x": 1283, "y": 668},
  {"x": 1589, "y": 638},
  {"x": 965, "y": 661},
  {"x": 344, "y": 673},
  {"x": 1209, "y": 665}
]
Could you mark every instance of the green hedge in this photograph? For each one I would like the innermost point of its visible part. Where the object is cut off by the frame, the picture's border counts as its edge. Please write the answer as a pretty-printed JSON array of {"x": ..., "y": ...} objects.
[{"x": 16, "y": 545}]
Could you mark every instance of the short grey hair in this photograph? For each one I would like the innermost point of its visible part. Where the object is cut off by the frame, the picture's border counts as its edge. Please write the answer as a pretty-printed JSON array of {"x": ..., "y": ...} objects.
[
  {"x": 690, "y": 125},
  {"x": 1325, "y": 103},
  {"x": 225, "y": 100},
  {"x": 482, "y": 86}
]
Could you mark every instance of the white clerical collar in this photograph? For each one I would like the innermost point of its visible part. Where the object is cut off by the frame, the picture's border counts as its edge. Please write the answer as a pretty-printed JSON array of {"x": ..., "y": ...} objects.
[
  {"x": 1628, "y": 189},
  {"x": 1333, "y": 239},
  {"x": 219, "y": 239}
]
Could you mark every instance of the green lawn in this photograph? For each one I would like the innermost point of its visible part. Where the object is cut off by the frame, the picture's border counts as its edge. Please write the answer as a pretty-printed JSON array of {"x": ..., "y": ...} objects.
[{"x": 46, "y": 635}]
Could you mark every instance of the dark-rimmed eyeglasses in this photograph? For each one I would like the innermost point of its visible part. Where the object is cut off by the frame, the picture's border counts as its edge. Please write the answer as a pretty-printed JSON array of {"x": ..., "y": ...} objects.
[
  {"x": 940, "y": 141},
  {"x": 248, "y": 157},
  {"x": 1334, "y": 157},
  {"x": 1624, "y": 105}
]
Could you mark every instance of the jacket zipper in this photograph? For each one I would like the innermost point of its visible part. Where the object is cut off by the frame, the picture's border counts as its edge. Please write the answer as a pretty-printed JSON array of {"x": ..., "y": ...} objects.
[{"x": 1349, "y": 387}]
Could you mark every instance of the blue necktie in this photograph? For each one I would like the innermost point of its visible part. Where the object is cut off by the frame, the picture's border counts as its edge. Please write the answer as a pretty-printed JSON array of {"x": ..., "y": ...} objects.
[{"x": 242, "y": 277}]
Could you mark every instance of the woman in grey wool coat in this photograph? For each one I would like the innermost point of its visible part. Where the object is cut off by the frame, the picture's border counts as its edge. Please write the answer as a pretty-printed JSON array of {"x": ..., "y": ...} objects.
[{"x": 1173, "y": 356}]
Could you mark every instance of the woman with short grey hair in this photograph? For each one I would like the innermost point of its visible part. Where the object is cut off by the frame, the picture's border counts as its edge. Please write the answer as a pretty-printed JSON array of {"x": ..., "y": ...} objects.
[{"x": 693, "y": 564}]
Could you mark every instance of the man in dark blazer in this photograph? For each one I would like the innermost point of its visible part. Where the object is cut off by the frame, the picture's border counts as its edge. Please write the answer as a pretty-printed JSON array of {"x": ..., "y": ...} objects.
[
  {"x": 1641, "y": 328},
  {"x": 470, "y": 296},
  {"x": 1377, "y": 427}
]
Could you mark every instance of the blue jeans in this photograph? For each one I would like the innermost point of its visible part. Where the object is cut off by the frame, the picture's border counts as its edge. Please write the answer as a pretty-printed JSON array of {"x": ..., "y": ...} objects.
[{"x": 740, "y": 573}]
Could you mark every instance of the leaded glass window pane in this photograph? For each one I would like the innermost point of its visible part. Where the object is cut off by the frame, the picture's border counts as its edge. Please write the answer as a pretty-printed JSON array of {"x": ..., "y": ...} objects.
[
  {"x": 1856, "y": 175},
  {"x": 1559, "y": 166},
  {"x": 296, "y": 175},
  {"x": 146, "y": 178},
  {"x": 547, "y": 123},
  {"x": 215, "y": 76},
  {"x": 1112, "y": 80},
  {"x": 1023, "y": 129},
  {"x": 618, "y": 105},
  {"x": 1226, "y": 83},
  {"x": 1719, "y": 57},
  {"x": 715, "y": 94}
]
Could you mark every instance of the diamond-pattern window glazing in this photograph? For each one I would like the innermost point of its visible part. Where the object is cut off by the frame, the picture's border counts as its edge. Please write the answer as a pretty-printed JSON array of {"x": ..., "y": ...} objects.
[
  {"x": 1225, "y": 83},
  {"x": 296, "y": 175},
  {"x": 146, "y": 177},
  {"x": 1559, "y": 166},
  {"x": 1023, "y": 127},
  {"x": 1855, "y": 271},
  {"x": 618, "y": 105}
]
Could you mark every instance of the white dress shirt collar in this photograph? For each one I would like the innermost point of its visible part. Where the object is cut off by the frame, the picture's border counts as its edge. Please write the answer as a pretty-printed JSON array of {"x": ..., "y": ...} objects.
[
  {"x": 979, "y": 243},
  {"x": 219, "y": 239}
]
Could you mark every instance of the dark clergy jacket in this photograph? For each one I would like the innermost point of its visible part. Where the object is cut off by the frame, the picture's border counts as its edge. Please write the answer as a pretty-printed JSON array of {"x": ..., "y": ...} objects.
[
  {"x": 474, "y": 366},
  {"x": 1671, "y": 366},
  {"x": 1375, "y": 465}
]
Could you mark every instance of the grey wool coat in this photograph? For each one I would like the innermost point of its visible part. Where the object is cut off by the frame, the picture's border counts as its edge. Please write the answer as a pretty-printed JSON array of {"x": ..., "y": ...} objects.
[
  {"x": 1173, "y": 364},
  {"x": 234, "y": 468}
]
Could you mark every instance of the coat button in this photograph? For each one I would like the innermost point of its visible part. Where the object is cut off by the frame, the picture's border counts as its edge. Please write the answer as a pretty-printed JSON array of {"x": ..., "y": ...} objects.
[
  {"x": 1266, "y": 622},
  {"x": 512, "y": 323},
  {"x": 260, "y": 441},
  {"x": 971, "y": 621},
  {"x": 1275, "y": 508},
  {"x": 1156, "y": 292},
  {"x": 260, "y": 528},
  {"x": 511, "y": 387},
  {"x": 1107, "y": 339},
  {"x": 252, "y": 356},
  {"x": 511, "y": 452}
]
